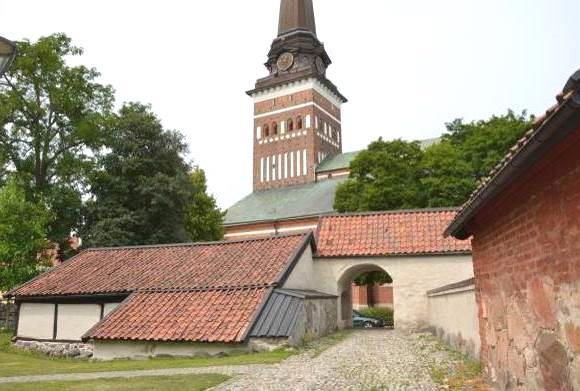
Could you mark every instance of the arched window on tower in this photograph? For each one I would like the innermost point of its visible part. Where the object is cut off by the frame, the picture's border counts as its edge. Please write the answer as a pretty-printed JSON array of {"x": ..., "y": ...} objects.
[
  {"x": 266, "y": 131},
  {"x": 290, "y": 125},
  {"x": 274, "y": 128},
  {"x": 299, "y": 122}
]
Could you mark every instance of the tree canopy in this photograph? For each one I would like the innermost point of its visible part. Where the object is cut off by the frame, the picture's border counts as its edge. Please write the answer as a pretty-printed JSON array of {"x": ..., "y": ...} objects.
[
  {"x": 52, "y": 115},
  {"x": 23, "y": 232},
  {"x": 143, "y": 192},
  {"x": 400, "y": 175},
  {"x": 69, "y": 162}
]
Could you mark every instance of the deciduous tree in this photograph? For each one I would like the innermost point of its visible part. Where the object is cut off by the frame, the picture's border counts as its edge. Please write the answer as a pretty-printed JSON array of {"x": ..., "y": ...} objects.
[
  {"x": 23, "y": 230},
  {"x": 52, "y": 115}
]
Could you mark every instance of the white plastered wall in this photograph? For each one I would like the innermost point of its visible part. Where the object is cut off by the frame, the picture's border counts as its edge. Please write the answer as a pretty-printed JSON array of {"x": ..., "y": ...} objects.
[
  {"x": 76, "y": 319},
  {"x": 110, "y": 350},
  {"x": 36, "y": 320},
  {"x": 303, "y": 275},
  {"x": 454, "y": 316}
]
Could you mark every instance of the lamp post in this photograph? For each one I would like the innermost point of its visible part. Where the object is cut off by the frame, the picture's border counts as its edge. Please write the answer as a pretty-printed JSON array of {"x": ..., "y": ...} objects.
[{"x": 7, "y": 54}]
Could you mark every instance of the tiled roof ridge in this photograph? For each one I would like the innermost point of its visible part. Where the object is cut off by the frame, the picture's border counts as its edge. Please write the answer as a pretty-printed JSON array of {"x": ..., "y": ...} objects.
[
  {"x": 208, "y": 288},
  {"x": 196, "y": 244},
  {"x": 393, "y": 212}
]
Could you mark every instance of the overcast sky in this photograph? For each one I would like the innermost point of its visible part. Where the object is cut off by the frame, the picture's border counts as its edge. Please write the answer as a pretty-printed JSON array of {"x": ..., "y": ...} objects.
[{"x": 407, "y": 66}]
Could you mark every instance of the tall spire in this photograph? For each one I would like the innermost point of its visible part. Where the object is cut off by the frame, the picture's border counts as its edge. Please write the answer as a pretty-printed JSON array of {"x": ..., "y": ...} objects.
[{"x": 296, "y": 15}]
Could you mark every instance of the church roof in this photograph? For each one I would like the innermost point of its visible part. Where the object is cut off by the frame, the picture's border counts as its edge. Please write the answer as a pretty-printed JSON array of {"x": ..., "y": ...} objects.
[
  {"x": 337, "y": 162},
  {"x": 312, "y": 199},
  {"x": 392, "y": 233}
]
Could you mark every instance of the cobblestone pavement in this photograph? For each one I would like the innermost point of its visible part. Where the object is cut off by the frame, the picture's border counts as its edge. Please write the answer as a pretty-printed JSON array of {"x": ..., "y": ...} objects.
[{"x": 366, "y": 360}]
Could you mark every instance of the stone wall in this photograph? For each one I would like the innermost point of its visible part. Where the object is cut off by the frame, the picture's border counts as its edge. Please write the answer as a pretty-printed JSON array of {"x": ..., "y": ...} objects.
[
  {"x": 526, "y": 252},
  {"x": 58, "y": 349},
  {"x": 8, "y": 316},
  {"x": 453, "y": 316}
]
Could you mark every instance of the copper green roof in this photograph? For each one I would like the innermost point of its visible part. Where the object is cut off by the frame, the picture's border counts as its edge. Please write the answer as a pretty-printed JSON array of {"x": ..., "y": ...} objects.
[
  {"x": 312, "y": 199},
  {"x": 336, "y": 162}
]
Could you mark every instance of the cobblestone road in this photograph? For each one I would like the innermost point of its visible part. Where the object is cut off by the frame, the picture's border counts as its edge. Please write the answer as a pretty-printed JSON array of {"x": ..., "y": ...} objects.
[{"x": 366, "y": 360}]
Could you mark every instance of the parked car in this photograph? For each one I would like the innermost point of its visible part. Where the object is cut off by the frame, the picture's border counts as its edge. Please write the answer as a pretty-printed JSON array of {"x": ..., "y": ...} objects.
[{"x": 358, "y": 320}]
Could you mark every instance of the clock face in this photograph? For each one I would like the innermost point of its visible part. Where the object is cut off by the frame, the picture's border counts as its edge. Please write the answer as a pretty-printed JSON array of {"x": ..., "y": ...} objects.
[
  {"x": 320, "y": 66},
  {"x": 285, "y": 61}
]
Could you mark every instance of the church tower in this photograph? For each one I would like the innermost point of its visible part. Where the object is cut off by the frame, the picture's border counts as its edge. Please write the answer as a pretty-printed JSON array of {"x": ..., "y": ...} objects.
[{"x": 297, "y": 121}]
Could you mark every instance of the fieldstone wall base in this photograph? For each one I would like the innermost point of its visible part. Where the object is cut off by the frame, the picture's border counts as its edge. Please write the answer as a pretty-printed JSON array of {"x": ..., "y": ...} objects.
[{"x": 58, "y": 349}]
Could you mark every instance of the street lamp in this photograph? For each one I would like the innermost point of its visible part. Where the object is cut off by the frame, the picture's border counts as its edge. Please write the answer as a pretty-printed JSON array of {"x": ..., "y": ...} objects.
[{"x": 7, "y": 54}]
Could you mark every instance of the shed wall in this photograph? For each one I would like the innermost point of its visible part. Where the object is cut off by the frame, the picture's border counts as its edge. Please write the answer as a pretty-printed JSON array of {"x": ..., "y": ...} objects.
[
  {"x": 36, "y": 321},
  {"x": 110, "y": 350},
  {"x": 76, "y": 319}
]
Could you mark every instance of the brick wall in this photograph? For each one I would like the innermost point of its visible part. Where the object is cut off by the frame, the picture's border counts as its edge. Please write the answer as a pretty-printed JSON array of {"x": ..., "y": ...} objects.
[
  {"x": 526, "y": 252},
  {"x": 382, "y": 296},
  {"x": 7, "y": 316},
  {"x": 303, "y": 138}
]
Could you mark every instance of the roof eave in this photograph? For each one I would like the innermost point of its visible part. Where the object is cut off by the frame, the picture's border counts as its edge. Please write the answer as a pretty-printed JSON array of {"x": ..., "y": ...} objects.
[{"x": 551, "y": 132}]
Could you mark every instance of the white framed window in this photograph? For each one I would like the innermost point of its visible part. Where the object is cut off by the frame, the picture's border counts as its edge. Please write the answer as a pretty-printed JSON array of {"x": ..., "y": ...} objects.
[
  {"x": 283, "y": 127},
  {"x": 279, "y": 166},
  {"x": 262, "y": 170},
  {"x": 304, "y": 163},
  {"x": 316, "y": 122},
  {"x": 292, "y": 164},
  {"x": 286, "y": 165},
  {"x": 268, "y": 169},
  {"x": 308, "y": 121},
  {"x": 259, "y": 132},
  {"x": 298, "y": 165}
]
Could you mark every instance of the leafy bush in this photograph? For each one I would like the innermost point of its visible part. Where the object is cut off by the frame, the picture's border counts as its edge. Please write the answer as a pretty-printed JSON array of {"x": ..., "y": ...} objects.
[{"x": 385, "y": 314}]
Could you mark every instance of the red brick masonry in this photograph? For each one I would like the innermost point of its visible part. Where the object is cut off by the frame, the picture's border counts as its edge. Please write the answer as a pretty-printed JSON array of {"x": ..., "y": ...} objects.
[{"x": 527, "y": 267}]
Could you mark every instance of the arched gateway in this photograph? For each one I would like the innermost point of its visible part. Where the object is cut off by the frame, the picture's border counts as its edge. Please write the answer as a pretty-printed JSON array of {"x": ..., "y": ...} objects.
[{"x": 405, "y": 244}]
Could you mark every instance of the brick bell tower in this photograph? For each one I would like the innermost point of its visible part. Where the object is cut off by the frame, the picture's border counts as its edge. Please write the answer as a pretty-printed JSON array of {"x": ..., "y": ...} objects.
[{"x": 297, "y": 121}]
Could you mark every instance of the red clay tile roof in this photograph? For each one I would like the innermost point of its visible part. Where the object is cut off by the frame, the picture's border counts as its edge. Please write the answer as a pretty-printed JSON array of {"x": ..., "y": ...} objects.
[
  {"x": 257, "y": 262},
  {"x": 202, "y": 316},
  {"x": 388, "y": 233},
  {"x": 499, "y": 175}
]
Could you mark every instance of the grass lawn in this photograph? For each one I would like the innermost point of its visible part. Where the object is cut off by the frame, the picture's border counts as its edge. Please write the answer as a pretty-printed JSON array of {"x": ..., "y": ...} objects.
[
  {"x": 173, "y": 383},
  {"x": 15, "y": 362}
]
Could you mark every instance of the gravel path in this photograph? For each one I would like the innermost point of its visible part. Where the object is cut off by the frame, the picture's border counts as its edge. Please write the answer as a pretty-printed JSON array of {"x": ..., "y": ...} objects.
[{"x": 366, "y": 360}]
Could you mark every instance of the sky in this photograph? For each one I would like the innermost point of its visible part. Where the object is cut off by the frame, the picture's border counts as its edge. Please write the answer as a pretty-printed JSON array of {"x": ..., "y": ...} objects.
[{"x": 406, "y": 66}]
